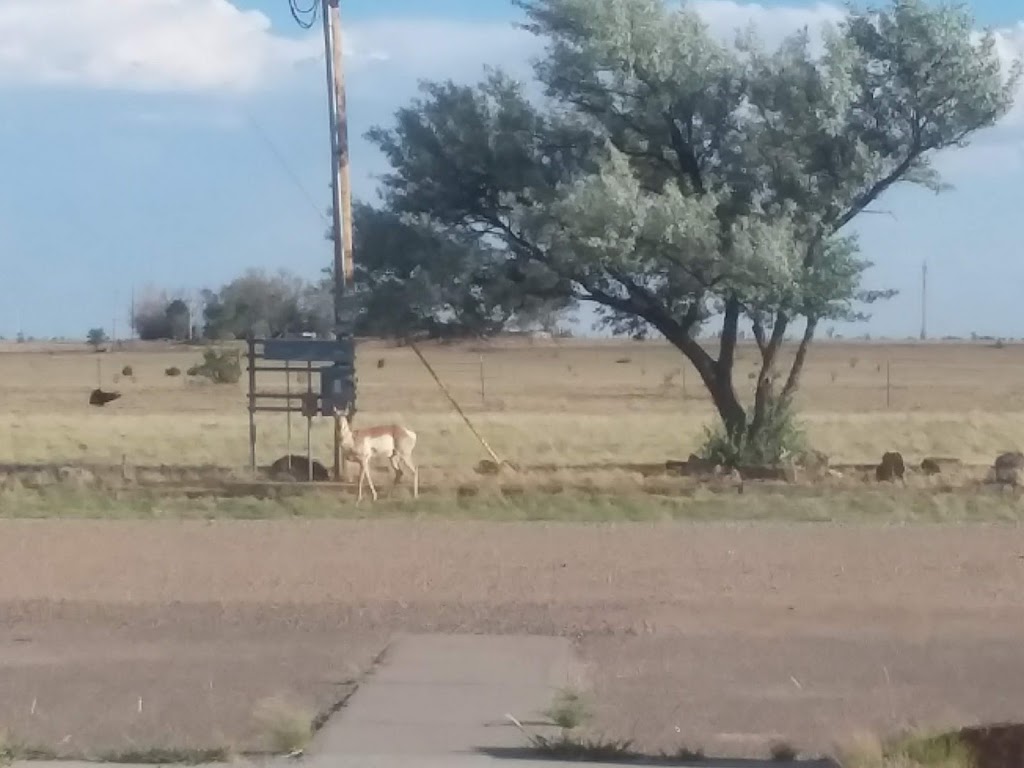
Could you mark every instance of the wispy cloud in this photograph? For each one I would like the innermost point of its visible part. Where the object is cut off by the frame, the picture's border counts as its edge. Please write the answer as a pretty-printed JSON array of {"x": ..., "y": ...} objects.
[{"x": 148, "y": 45}]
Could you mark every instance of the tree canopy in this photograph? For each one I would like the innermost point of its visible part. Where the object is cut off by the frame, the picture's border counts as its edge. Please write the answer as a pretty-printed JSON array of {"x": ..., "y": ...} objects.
[
  {"x": 414, "y": 279},
  {"x": 264, "y": 305},
  {"x": 669, "y": 178}
]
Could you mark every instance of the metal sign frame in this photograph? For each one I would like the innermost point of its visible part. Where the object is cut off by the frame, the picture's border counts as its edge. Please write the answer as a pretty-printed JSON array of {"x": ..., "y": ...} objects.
[{"x": 300, "y": 355}]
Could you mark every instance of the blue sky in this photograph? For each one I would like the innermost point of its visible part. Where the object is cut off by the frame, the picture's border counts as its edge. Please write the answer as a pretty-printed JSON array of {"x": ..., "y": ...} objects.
[{"x": 174, "y": 144}]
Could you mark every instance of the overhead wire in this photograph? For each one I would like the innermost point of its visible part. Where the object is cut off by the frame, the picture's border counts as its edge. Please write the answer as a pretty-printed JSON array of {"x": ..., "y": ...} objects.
[
  {"x": 285, "y": 165},
  {"x": 305, "y": 16}
]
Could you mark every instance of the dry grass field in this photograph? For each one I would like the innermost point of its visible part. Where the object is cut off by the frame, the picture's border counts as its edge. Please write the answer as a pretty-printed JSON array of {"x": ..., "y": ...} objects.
[
  {"x": 583, "y": 419},
  {"x": 569, "y": 402},
  {"x": 734, "y": 630}
]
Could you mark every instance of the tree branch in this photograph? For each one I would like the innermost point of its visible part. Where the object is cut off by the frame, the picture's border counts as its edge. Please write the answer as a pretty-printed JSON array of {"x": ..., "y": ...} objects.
[
  {"x": 793, "y": 381},
  {"x": 688, "y": 164},
  {"x": 730, "y": 332},
  {"x": 759, "y": 336},
  {"x": 865, "y": 199}
]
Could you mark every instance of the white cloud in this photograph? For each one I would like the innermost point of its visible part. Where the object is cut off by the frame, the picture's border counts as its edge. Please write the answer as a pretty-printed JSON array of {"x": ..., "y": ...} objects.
[
  {"x": 212, "y": 45},
  {"x": 440, "y": 48},
  {"x": 726, "y": 17},
  {"x": 1010, "y": 46},
  {"x": 154, "y": 45},
  {"x": 209, "y": 45}
]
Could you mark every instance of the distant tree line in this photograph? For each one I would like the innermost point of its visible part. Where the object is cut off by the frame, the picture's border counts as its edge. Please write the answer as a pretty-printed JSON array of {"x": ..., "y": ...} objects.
[{"x": 410, "y": 281}]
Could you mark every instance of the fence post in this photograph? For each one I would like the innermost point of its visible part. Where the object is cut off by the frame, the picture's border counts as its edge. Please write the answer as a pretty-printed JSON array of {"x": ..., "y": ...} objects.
[
  {"x": 888, "y": 384},
  {"x": 483, "y": 387}
]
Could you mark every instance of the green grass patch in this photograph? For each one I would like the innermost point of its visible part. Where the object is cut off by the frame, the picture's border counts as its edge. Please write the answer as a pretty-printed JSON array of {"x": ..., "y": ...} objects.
[{"x": 869, "y": 505}]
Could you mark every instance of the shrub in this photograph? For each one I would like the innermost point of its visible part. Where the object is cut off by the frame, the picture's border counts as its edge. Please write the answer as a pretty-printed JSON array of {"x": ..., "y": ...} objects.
[
  {"x": 778, "y": 437},
  {"x": 96, "y": 338},
  {"x": 569, "y": 710},
  {"x": 127, "y": 371},
  {"x": 219, "y": 366},
  {"x": 172, "y": 371}
]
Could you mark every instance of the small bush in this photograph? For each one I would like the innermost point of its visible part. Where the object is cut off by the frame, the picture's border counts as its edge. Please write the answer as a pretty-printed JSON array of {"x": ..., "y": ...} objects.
[
  {"x": 854, "y": 361},
  {"x": 96, "y": 338},
  {"x": 779, "y": 436},
  {"x": 782, "y": 752},
  {"x": 287, "y": 729},
  {"x": 127, "y": 371},
  {"x": 910, "y": 751},
  {"x": 220, "y": 367},
  {"x": 569, "y": 710},
  {"x": 172, "y": 371}
]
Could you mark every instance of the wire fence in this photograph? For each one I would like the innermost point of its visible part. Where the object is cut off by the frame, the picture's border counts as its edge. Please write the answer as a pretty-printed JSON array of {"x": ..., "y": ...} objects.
[{"x": 580, "y": 377}]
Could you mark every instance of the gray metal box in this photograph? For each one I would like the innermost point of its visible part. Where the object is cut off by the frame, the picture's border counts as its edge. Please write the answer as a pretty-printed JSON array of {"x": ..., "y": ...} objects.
[
  {"x": 337, "y": 388},
  {"x": 310, "y": 350}
]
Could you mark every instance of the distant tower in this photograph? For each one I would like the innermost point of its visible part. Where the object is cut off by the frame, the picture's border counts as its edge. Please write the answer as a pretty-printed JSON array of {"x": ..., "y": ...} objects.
[{"x": 924, "y": 301}]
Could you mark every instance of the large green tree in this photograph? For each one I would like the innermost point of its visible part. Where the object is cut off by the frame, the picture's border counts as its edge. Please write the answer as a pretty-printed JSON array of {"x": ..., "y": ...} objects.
[
  {"x": 670, "y": 179},
  {"x": 413, "y": 279}
]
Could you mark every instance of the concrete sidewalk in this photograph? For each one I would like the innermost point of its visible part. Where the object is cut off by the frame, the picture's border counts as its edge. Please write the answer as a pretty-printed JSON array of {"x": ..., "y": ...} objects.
[
  {"x": 437, "y": 695},
  {"x": 440, "y": 701}
]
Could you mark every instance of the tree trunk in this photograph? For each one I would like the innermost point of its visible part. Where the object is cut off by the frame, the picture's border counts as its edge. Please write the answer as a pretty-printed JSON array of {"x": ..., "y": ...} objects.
[
  {"x": 717, "y": 379},
  {"x": 793, "y": 381},
  {"x": 764, "y": 395}
]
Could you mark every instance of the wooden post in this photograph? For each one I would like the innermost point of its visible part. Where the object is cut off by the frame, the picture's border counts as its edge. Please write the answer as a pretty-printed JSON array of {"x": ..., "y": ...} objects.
[
  {"x": 288, "y": 402},
  {"x": 338, "y": 474},
  {"x": 888, "y": 384},
  {"x": 252, "y": 405},
  {"x": 309, "y": 421},
  {"x": 483, "y": 387},
  {"x": 344, "y": 173},
  {"x": 337, "y": 112}
]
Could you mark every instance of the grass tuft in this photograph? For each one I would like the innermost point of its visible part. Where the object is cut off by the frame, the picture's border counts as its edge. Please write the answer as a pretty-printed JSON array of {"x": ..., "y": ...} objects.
[
  {"x": 947, "y": 750},
  {"x": 687, "y": 755},
  {"x": 581, "y": 749},
  {"x": 783, "y": 752},
  {"x": 166, "y": 756},
  {"x": 287, "y": 729},
  {"x": 569, "y": 711}
]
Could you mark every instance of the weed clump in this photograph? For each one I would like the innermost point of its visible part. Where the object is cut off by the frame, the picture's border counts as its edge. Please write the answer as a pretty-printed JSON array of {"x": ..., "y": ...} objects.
[
  {"x": 219, "y": 366},
  {"x": 778, "y": 436}
]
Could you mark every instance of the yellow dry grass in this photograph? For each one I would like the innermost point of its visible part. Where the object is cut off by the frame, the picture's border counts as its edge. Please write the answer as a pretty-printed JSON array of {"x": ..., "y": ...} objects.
[{"x": 567, "y": 402}]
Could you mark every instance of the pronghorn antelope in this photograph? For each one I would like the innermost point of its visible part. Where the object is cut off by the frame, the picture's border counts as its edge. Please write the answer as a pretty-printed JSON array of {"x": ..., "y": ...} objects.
[{"x": 391, "y": 440}]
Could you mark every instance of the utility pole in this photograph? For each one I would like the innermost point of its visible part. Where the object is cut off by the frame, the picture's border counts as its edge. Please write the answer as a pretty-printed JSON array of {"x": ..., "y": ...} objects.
[
  {"x": 341, "y": 188},
  {"x": 924, "y": 300},
  {"x": 340, "y": 178}
]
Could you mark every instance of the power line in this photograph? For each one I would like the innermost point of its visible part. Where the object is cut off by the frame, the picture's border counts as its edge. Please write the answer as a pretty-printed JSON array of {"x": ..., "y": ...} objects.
[
  {"x": 285, "y": 166},
  {"x": 305, "y": 17}
]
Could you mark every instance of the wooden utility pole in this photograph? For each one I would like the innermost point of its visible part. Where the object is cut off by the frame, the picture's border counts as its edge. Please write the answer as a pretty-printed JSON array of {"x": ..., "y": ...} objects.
[{"x": 341, "y": 188}]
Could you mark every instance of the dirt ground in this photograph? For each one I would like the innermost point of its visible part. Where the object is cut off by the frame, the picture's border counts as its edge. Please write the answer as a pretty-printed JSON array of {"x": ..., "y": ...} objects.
[{"x": 727, "y": 637}]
